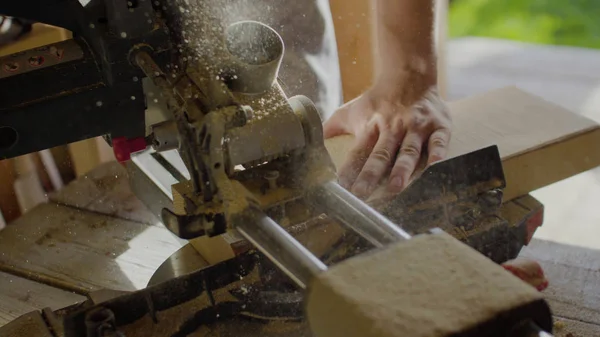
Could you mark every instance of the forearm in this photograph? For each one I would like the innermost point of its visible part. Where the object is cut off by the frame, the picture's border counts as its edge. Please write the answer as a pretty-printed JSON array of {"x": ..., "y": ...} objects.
[{"x": 404, "y": 35}]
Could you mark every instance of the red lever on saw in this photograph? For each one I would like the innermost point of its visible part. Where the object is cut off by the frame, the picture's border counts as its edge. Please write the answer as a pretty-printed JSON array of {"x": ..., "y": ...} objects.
[{"x": 123, "y": 147}]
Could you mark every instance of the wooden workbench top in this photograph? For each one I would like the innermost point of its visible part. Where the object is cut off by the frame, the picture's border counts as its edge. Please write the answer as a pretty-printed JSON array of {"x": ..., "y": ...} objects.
[{"x": 94, "y": 234}]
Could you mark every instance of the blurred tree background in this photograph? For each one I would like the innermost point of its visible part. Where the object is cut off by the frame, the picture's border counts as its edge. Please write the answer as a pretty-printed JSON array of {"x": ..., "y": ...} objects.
[{"x": 555, "y": 22}]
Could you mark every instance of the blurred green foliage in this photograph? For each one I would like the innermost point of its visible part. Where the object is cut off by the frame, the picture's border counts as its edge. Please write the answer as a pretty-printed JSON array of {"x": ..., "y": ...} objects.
[{"x": 556, "y": 22}]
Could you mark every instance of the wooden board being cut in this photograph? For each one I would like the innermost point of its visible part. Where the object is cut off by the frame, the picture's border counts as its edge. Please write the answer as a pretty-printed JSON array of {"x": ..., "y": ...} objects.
[{"x": 540, "y": 143}]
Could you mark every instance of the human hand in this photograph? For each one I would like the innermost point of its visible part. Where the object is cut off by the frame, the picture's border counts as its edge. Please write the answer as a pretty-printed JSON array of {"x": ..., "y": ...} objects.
[{"x": 392, "y": 128}]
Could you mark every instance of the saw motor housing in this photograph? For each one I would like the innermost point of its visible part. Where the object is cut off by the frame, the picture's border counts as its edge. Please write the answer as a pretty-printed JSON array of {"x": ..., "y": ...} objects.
[{"x": 224, "y": 112}]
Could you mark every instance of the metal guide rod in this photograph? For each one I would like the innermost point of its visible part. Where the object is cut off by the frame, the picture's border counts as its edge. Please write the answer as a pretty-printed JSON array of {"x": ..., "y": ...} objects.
[
  {"x": 280, "y": 247},
  {"x": 340, "y": 204}
]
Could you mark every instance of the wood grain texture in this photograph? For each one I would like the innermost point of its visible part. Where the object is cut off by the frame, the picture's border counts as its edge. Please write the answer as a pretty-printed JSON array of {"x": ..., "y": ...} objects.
[
  {"x": 31, "y": 324},
  {"x": 83, "y": 251},
  {"x": 105, "y": 190},
  {"x": 84, "y": 155},
  {"x": 574, "y": 276},
  {"x": 19, "y": 296},
  {"x": 8, "y": 200},
  {"x": 573, "y": 272},
  {"x": 62, "y": 159},
  {"x": 540, "y": 142},
  {"x": 564, "y": 327},
  {"x": 567, "y": 244}
]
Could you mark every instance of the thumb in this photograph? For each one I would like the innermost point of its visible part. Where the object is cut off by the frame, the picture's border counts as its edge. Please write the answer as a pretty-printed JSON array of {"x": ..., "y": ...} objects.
[{"x": 337, "y": 124}]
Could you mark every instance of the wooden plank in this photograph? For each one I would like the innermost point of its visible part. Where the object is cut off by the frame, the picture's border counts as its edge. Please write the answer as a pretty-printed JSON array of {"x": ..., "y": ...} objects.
[
  {"x": 84, "y": 155},
  {"x": 105, "y": 190},
  {"x": 19, "y": 296},
  {"x": 482, "y": 64},
  {"x": 574, "y": 276},
  {"x": 89, "y": 153},
  {"x": 63, "y": 163},
  {"x": 28, "y": 185},
  {"x": 540, "y": 143},
  {"x": 83, "y": 251},
  {"x": 8, "y": 200},
  {"x": 32, "y": 324}
]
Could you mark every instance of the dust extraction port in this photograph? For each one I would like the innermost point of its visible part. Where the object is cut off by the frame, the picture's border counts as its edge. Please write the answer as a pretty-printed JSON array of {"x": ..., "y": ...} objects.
[
  {"x": 8, "y": 137},
  {"x": 256, "y": 52}
]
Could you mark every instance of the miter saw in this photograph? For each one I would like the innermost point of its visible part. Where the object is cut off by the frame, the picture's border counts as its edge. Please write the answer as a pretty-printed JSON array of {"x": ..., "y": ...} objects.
[{"x": 255, "y": 167}]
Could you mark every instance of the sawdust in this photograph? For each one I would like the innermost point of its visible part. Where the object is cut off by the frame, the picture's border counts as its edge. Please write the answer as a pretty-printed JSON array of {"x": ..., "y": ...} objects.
[
  {"x": 430, "y": 286},
  {"x": 559, "y": 325},
  {"x": 30, "y": 324},
  {"x": 266, "y": 105},
  {"x": 569, "y": 328},
  {"x": 207, "y": 41}
]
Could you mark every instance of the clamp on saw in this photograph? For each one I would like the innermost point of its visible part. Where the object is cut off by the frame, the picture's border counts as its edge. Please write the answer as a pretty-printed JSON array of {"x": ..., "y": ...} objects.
[{"x": 258, "y": 167}]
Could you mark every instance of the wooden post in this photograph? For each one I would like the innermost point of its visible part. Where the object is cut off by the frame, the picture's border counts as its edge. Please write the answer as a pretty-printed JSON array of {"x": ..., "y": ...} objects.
[
  {"x": 8, "y": 200},
  {"x": 28, "y": 185}
]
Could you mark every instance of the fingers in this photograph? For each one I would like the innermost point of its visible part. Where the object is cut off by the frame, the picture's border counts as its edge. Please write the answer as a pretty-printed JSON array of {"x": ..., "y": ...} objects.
[
  {"x": 407, "y": 160},
  {"x": 377, "y": 165},
  {"x": 438, "y": 145},
  {"x": 394, "y": 140},
  {"x": 358, "y": 156}
]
